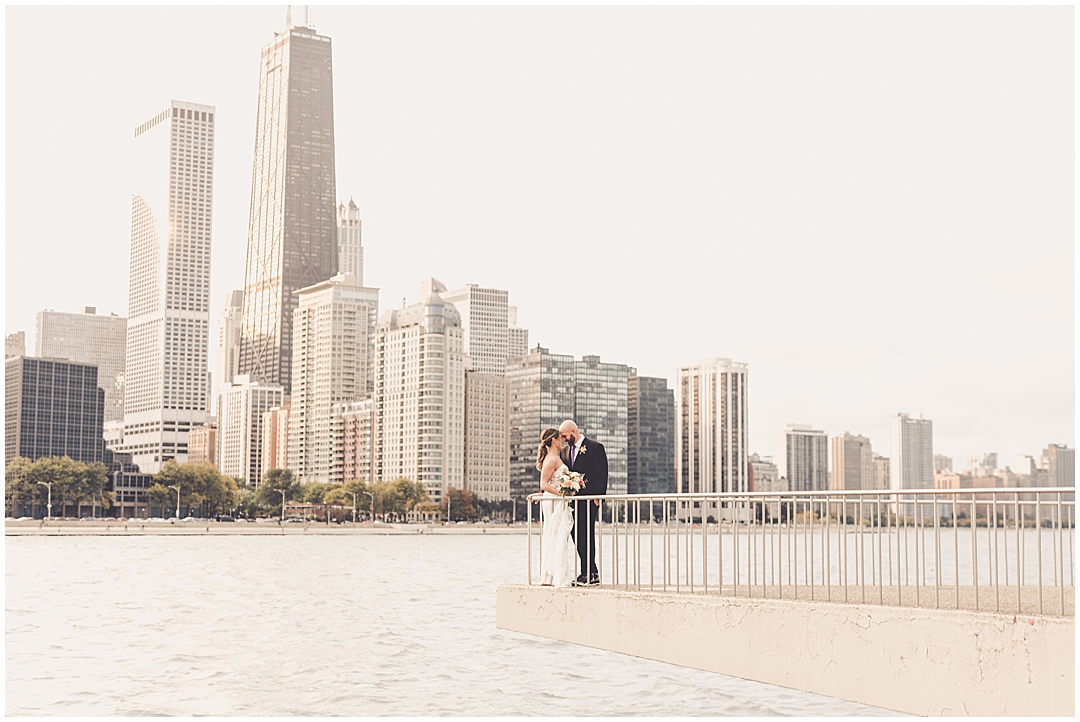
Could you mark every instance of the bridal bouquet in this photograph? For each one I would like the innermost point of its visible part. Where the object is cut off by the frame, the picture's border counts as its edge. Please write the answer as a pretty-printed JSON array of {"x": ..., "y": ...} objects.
[{"x": 569, "y": 482}]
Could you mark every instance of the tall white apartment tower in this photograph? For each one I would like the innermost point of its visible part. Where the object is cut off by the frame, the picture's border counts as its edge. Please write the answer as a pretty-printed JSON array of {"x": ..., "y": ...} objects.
[
  {"x": 169, "y": 285},
  {"x": 802, "y": 457},
  {"x": 485, "y": 323},
  {"x": 711, "y": 427},
  {"x": 911, "y": 465},
  {"x": 332, "y": 329},
  {"x": 228, "y": 355},
  {"x": 91, "y": 339},
  {"x": 240, "y": 439},
  {"x": 420, "y": 396},
  {"x": 350, "y": 249}
]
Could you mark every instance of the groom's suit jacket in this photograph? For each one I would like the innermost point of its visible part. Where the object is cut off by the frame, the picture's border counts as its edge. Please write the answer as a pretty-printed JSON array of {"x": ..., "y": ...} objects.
[{"x": 592, "y": 462}]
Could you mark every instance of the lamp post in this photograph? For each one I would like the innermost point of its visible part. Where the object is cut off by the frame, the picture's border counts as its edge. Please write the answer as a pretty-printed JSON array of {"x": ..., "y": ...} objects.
[
  {"x": 177, "y": 487},
  {"x": 448, "y": 505},
  {"x": 353, "y": 506},
  {"x": 372, "y": 504},
  {"x": 48, "y": 485},
  {"x": 513, "y": 510},
  {"x": 282, "y": 492}
]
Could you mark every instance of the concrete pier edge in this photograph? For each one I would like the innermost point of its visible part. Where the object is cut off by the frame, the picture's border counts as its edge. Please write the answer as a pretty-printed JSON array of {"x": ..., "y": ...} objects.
[{"x": 918, "y": 661}]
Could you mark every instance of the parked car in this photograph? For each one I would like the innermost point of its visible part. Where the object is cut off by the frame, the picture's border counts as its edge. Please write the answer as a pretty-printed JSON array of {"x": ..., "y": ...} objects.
[
  {"x": 224, "y": 518},
  {"x": 241, "y": 521},
  {"x": 190, "y": 518}
]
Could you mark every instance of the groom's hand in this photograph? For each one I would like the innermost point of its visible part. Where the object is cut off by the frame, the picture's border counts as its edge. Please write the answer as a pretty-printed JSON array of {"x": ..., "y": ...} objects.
[{"x": 596, "y": 501}]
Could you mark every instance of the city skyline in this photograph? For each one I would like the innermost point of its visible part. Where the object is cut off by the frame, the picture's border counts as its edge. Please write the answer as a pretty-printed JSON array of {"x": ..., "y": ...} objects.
[{"x": 1010, "y": 269}]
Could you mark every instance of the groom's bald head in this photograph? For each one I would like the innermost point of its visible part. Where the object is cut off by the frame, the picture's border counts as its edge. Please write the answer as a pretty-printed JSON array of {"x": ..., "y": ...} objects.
[{"x": 569, "y": 431}]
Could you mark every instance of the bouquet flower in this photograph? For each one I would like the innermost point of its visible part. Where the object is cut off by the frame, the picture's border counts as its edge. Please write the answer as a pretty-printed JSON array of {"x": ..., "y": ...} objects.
[{"x": 569, "y": 482}]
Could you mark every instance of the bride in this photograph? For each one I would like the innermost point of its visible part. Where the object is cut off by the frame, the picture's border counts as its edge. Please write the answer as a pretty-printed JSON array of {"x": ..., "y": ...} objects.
[{"x": 557, "y": 566}]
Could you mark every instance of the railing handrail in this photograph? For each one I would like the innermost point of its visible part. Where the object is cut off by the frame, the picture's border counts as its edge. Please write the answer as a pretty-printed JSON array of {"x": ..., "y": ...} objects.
[
  {"x": 675, "y": 496},
  {"x": 943, "y": 547}
]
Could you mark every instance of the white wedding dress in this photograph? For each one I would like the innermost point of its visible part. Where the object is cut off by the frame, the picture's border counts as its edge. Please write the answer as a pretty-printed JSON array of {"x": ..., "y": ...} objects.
[{"x": 557, "y": 551}]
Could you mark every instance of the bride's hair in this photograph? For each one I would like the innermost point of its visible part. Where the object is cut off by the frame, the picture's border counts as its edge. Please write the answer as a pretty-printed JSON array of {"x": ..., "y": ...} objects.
[{"x": 545, "y": 444}]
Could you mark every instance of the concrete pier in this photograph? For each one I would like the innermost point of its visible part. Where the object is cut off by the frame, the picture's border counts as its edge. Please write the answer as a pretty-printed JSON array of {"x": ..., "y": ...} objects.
[{"x": 914, "y": 660}]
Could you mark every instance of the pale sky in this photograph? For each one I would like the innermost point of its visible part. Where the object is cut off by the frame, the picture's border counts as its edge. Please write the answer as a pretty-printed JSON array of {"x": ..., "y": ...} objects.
[{"x": 872, "y": 207}]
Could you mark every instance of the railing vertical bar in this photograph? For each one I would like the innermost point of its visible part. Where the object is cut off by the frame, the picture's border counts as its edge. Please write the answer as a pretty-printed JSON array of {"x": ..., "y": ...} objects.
[
  {"x": 1061, "y": 556},
  {"x": 997, "y": 557},
  {"x": 528, "y": 534},
  {"x": 879, "y": 572},
  {"x": 1019, "y": 569},
  {"x": 704, "y": 549},
  {"x": 720, "y": 545},
  {"x": 1038, "y": 543},
  {"x": 810, "y": 554},
  {"x": 975, "y": 551},
  {"x": 937, "y": 555},
  {"x": 956, "y": 551}
]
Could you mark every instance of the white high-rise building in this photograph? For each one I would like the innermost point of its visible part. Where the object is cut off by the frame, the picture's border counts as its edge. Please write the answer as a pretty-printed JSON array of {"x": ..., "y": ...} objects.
[
  {"x": 487, "y": 436},
  {"x": 852, "y": 463},
  {"x": 169, "y": 284},
  {"x": 711, "y": 428},
  {"x": 1059, "y": 461},
  {"x": 485, "y": 323},
  {"x": 244, "y": 404},
  {"x": 912, "y": 459},
  {"x": 350, "y": 248},
  {"x": 420, "y": 396},
  {"x": 331, "y": 364},
  {"x": 517, "y": 338},
  {"x": 1022, "y": 464},
  {"x": 88, "y": 338},
  {"x": 228, "y": 353},
  {"x": 801, "y": 454},
  {"x": 881, "y": 472}
]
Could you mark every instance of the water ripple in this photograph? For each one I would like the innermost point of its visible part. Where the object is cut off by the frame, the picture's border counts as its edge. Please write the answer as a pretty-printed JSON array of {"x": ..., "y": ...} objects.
[{"x": 318, "y": 626}]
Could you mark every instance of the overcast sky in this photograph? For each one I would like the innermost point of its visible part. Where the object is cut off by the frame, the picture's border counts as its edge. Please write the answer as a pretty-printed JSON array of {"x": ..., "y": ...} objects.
[{"x": 872, "y": 207}]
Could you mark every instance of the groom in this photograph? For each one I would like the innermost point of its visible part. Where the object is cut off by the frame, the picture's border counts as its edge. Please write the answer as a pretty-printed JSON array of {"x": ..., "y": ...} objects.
[{"x": 587, "y": 457}]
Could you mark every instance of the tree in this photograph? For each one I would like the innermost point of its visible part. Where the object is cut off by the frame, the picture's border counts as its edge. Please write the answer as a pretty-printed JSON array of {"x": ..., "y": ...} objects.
[
  {"x": 17, "y": 483},
  {"x": 274, "y": 481},
  {"x": 202, "y": 488},
  {"x": 61, "y": 472},
  {"x": 462, "y": 505}
]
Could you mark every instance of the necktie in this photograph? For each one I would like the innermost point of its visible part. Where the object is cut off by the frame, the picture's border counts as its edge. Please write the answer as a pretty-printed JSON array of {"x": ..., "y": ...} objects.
[{"x": 573, "y": 455}]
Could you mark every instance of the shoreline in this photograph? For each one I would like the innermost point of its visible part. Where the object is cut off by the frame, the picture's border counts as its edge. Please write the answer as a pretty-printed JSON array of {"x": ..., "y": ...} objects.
[{"x": 212, "y": 528}]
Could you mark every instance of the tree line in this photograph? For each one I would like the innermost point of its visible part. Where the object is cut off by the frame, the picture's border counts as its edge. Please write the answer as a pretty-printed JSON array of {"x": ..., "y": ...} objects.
[{"x": 204, "y": 492}]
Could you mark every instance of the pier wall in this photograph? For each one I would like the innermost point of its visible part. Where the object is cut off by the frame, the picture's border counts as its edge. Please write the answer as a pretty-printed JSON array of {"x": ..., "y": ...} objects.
[{"x": 919, "y": 661}]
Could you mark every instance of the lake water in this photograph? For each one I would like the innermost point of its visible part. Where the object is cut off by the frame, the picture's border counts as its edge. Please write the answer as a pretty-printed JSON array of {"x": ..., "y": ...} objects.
[{"x": 318, "y": 625}]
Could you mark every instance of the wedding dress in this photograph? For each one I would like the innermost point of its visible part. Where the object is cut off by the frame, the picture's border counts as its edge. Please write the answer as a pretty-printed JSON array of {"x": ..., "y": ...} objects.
[{"x": 557, "y": 550}]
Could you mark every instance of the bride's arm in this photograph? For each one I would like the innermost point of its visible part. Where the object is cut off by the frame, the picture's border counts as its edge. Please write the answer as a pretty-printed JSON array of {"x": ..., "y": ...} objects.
[{"x": 550, "y": 465}]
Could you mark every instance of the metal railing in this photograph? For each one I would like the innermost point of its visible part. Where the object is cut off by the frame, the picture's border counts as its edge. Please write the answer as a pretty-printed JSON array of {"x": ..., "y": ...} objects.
[{"x": 1001, "y": 550}]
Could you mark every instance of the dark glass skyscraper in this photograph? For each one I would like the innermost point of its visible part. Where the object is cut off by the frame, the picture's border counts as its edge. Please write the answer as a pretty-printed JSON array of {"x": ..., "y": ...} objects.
[
  {"x": 651, "y": 448},
  {"x": 292, "y": 231},
  {"x": 53, "y": 407}
]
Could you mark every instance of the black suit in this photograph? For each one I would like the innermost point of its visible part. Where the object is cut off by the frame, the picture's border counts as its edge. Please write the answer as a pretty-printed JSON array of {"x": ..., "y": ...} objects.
[{"x": 592, "y": 462}]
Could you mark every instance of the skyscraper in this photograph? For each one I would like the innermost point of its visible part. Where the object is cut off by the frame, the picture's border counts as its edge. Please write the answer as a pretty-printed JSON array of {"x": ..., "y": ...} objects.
[
  {"x": 801, "y": 454},
  {"x": 912, "y": 459},
  {"x": 91, "y": 339},
  {"x": 487, "y": 441},
  {"x": 332, "y": 330},
  {"x": 852, "y": 463},
  {"x": 651, "y": 436},
  {"x": 1060, "y": 463},
  {"x": 240, "y": 435},
  {"x": 545, "y": 389},
  {"x": 292, "y": 230},
  {"x": 484, "y": 321},
  {"x": 420, "y": 396},
  {"x": 711, "y": 453},
  {"x": 52, "y": 407},
  {"x": 350, "y": 248},
  {"x": 169, "y": 284},
  {"x": 228, "y": 355}
]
